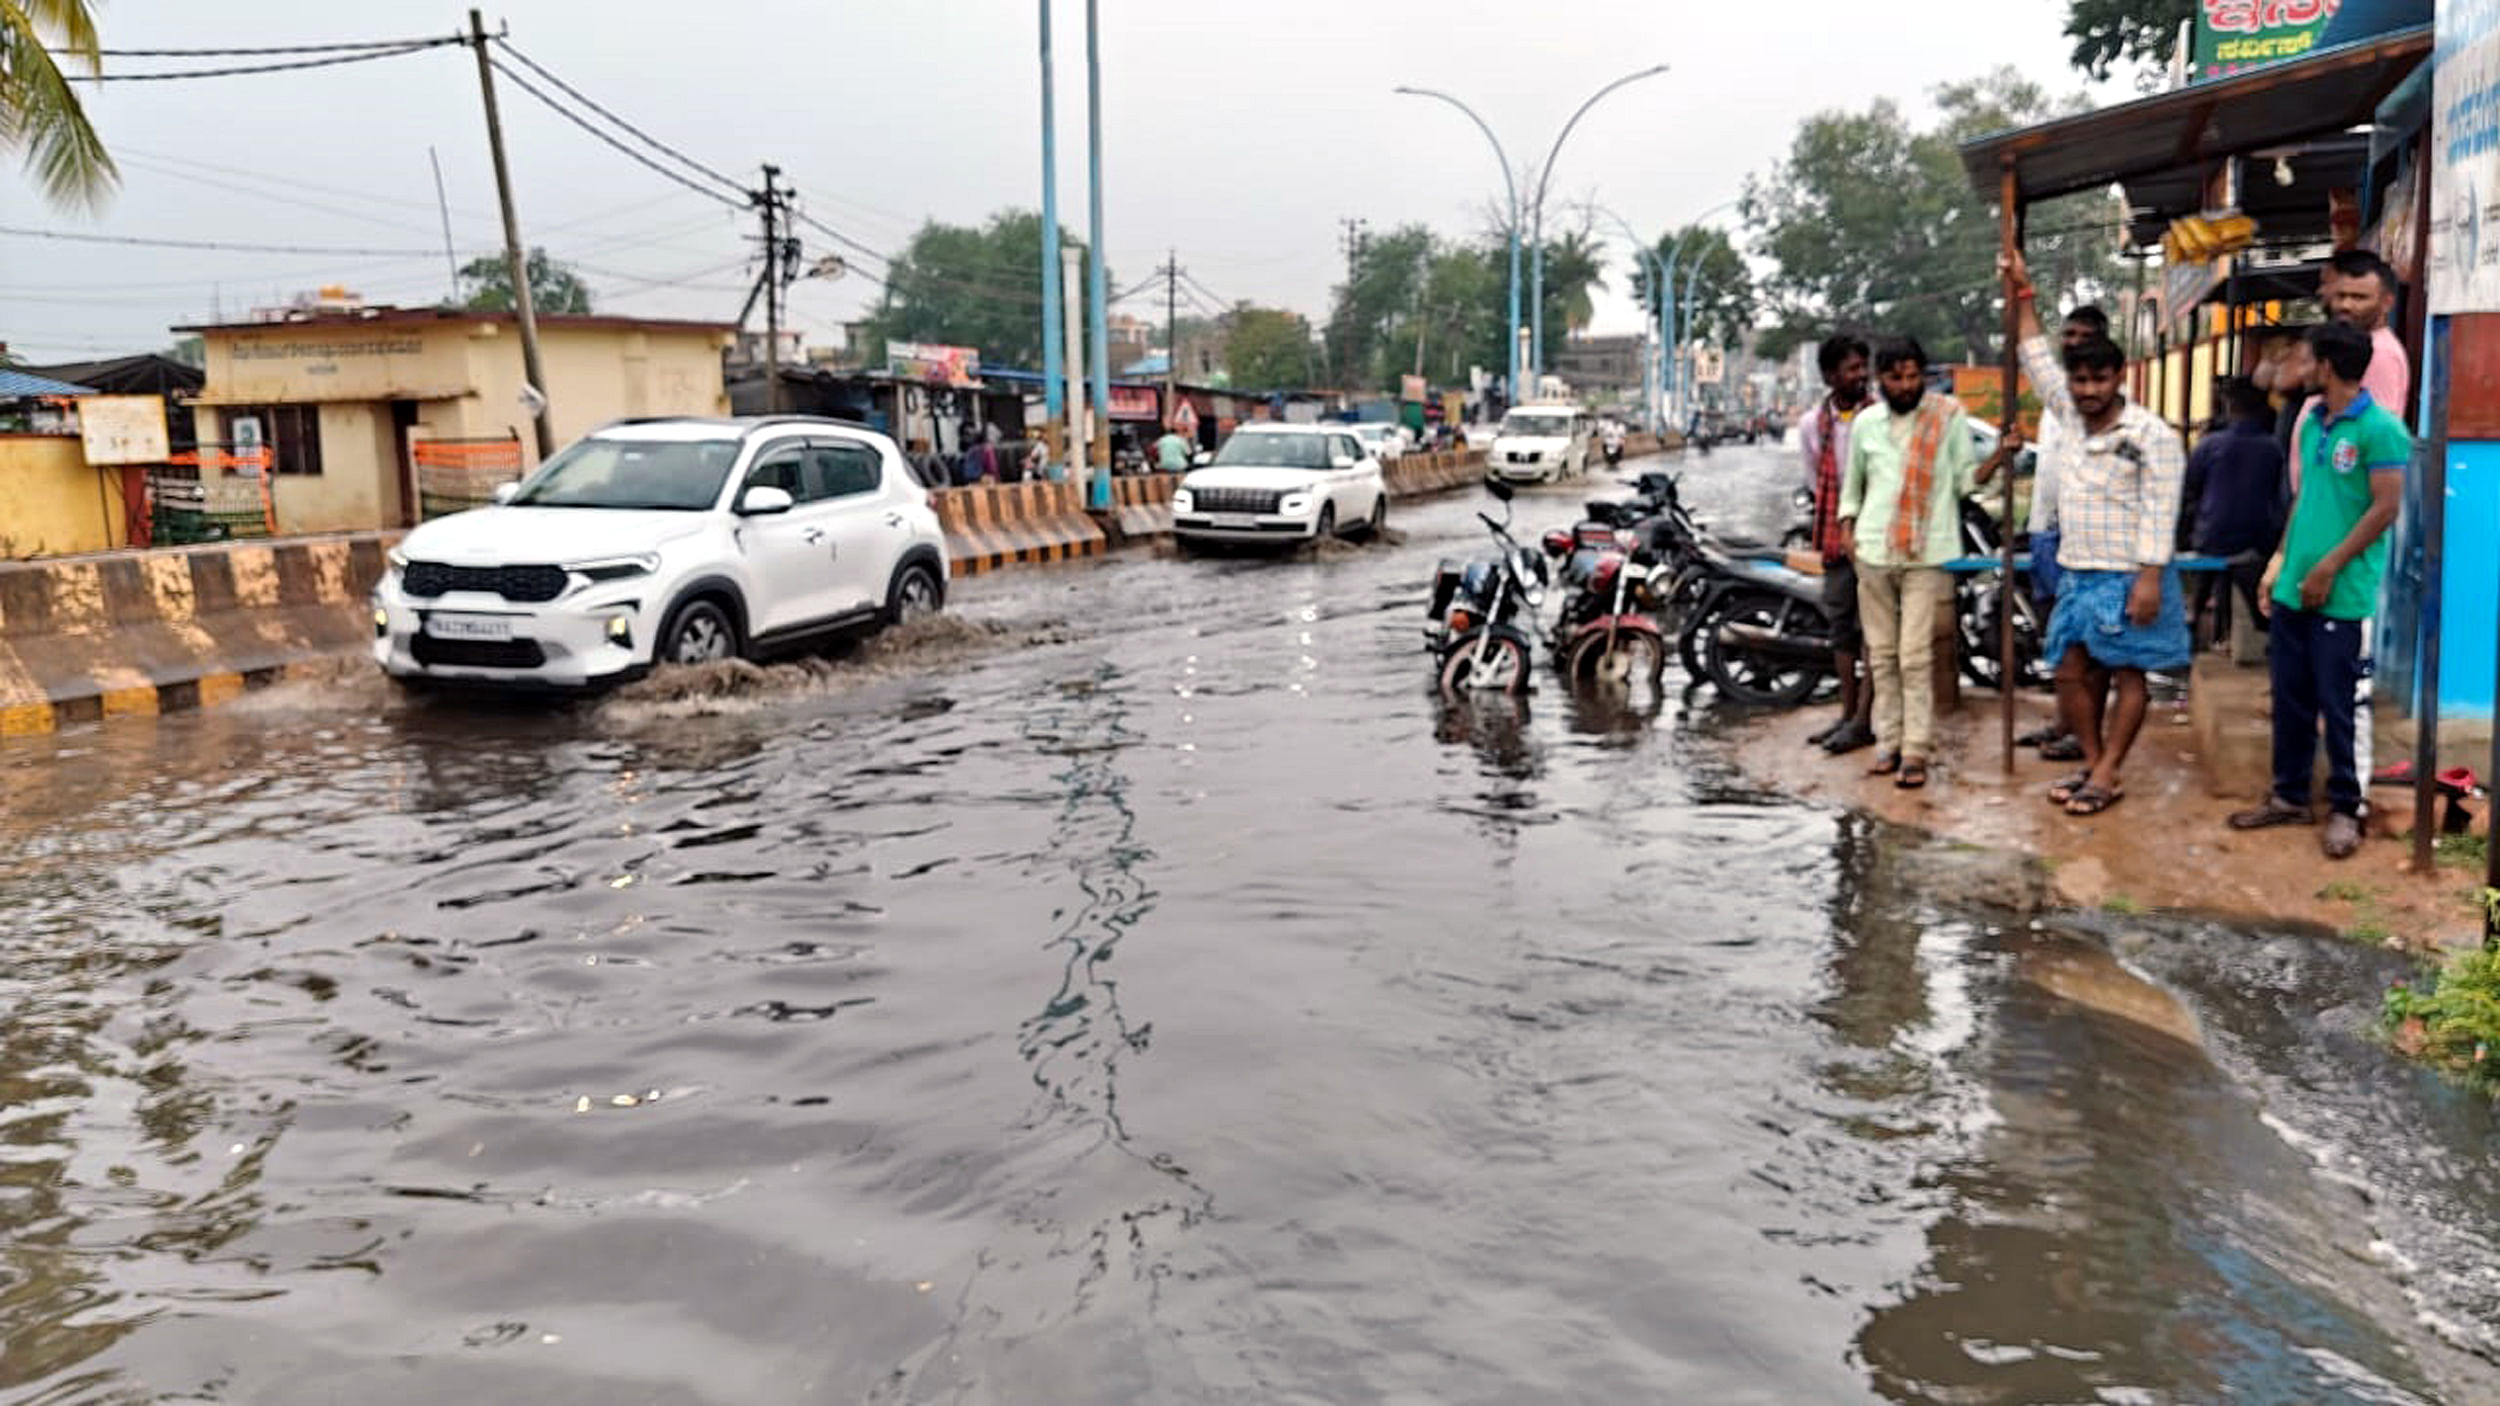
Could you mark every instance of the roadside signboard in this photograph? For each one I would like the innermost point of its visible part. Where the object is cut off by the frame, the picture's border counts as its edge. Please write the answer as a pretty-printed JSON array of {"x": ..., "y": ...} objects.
[
  {"x": 2234, "y": 36},
  {"x": 933, "y": 363},
  {"x": 1135, "y": 403},
  {"x": 2465, "y": 160},
  {"x": 123, "y": 429},
  {"x": 1413, "y": 389}
]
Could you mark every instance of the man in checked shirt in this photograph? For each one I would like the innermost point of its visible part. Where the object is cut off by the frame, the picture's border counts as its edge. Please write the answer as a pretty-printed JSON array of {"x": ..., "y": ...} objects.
[
  {"x": 2119, "y": 611},
  {"x": 1824, "y": 436}
]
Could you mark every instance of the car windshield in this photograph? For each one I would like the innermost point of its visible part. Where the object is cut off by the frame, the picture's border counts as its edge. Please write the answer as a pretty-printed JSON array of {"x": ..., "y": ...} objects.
[
  {"x": 1275, "y": 451},
  {"x": 1537, "y": 426},
  {"x": 682, "y": 475}
]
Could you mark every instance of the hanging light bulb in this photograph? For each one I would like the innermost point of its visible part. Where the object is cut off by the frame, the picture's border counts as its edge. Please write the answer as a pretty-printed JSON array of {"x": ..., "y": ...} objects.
[{"x": 2283, "y": 170}]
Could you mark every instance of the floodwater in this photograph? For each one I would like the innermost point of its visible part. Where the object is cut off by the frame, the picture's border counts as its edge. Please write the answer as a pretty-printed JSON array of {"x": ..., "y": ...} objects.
[{"x": 1138, "y": 988}]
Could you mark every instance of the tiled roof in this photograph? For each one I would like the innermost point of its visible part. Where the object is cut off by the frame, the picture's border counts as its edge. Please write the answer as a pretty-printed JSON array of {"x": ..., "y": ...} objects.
[{"x": 18, "y": 385}]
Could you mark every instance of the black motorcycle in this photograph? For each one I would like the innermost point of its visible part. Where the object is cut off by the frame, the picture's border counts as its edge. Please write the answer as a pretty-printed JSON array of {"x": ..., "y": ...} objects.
[{"x": 1482, "y": 611}]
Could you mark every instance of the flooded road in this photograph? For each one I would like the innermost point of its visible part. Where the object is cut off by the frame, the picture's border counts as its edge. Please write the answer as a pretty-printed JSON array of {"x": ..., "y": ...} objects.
[{"x": 1135, "y": 989}]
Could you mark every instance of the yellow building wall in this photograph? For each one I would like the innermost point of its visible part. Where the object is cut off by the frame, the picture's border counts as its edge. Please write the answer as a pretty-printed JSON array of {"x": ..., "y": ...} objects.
[
  {"x": 358, "y": 486},
  {"x": 52, "y": 504},
  {"x": 594, "y": 375}
]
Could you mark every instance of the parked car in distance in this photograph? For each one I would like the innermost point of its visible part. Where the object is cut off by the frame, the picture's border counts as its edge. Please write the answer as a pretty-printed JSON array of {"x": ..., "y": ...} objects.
[
  {"x": 1383, "y": 441},
  {"x": 674, "y": 540},
  {"x": 1276, "y": 482},
  {"x": 1541, "y": 444}
]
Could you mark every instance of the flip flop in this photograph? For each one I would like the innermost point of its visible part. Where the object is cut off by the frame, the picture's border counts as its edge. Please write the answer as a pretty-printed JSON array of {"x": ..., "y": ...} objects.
[
  {"x": 2061, "y": 749},
  {"x": 1885, "y": 765},
  {"x": 2092, "y": 800},
  {"x": 1913, "y": 776},
  {"x": 2065, "y": 790}
]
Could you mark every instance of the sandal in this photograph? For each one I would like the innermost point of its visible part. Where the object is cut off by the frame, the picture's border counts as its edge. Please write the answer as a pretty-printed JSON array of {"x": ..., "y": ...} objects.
[
  {"x": 2061, "y": 749},
  {"x": 2040, "y": 736},
  {"x": 2275, "y": 811},
  {"x": 1913, "y": 775},
  {"x": 2092, "y": 800},
  {"x": 1885, "y": 765},
  {"x": 2065, "y": 790}
]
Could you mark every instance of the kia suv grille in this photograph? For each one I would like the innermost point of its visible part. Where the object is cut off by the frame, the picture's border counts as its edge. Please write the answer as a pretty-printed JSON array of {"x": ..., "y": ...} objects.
[{"x": 428, "y": 579}]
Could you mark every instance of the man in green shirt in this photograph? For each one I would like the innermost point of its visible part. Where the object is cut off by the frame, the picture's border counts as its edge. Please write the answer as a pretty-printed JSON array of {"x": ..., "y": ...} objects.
[
  {"x": 1172, "y": 452},
  {"x": 2322, "y": 588},
  {"x": 1911, "y": 461}
]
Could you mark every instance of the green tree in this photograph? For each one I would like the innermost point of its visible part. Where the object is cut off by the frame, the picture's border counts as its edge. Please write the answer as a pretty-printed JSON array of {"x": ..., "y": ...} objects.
[
  {"x": 1709, "y": 267},
  {"x": 1384, "y": 285},
  {"x": 968, "y": 285},
  {"x": 41, "y": 118},
  {"x": 2140, "y": 32},
  {"x": 1269, "y": 349},
  {"x": 1874, "y": 224},
  {"x": 190, "y": 351},
  {"x": 1575, "y": 268},
  {"x": 486, "y": 285}
]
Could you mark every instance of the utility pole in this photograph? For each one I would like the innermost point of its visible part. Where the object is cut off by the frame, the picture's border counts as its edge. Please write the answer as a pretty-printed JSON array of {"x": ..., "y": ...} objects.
[
  {"x": 533, "y": 372},
  {"x": 1171, "y": 327},
  {"x": 780, "y": 267},
  {"x": 1054, "y": 404},
  {"x": 1097, "y": 287},
  {"x": 1352, "y": 243}
]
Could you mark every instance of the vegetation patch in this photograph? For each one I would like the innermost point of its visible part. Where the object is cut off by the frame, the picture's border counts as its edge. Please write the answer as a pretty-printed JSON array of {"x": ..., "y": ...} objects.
[
  {"x": 2466, "y": 851},
  {"x": 2451, "y": 1018}
]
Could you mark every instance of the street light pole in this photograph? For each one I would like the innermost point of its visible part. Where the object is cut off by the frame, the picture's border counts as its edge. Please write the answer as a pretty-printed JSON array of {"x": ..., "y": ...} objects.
[
  {"x": 1053, "y": 403},
  {"x": 1536, "y": 292},
  {"x": 1098, "y": 295},
  {"x": 1510, "y": 330},
  {"x": 1650, "y": 357},
  {"x": 1675, "y": 312},
  {"x": 1691, "y": 276}
]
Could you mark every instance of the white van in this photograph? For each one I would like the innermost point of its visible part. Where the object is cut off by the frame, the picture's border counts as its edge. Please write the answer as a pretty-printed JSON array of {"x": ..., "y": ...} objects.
[{"x": 1541, "y": 444}]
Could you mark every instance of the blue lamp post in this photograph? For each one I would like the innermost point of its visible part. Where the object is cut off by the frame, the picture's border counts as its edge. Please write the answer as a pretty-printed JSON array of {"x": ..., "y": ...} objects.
[
  {"x": 1510, "y": 330},
  {"x": 1536, "y": 292}
]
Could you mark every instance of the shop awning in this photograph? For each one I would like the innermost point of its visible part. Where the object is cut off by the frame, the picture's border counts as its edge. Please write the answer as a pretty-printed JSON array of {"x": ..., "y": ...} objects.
[{"x": 2191, "y": 128}]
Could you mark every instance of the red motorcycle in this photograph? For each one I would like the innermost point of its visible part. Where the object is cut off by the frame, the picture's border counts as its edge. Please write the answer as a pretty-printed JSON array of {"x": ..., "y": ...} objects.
[{"x": 1608, "y": 629}]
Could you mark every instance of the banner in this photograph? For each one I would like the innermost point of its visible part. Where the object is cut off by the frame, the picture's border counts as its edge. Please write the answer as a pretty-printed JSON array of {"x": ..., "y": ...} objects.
[
  {"x": 933, "y": 363},
  {"x": 2234, "y": 36},
  {"x": 2464, "y": 271},
  {"x": 1135, "y": 403},
  {"x": 1413, "y": 390},
  {"x": 1981, "y": 391}
]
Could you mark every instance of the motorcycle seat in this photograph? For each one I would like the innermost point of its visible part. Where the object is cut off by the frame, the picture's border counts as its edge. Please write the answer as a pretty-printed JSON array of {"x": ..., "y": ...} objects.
[{"x": 1737, "y": 544}]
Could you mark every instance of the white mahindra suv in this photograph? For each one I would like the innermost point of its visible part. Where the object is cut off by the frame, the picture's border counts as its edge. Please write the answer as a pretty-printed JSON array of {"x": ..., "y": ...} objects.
[
  {"x": 1280, "y": 482},
  {"x": 1540, "y": 444},
  {"x": 665, "y": 541}
]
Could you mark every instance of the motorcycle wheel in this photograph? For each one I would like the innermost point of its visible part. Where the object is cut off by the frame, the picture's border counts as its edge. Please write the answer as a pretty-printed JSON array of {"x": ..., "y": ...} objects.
[
  {"x": 1975, "y": 616},
  {"x": 1744, "y": 678},
  {"x": 1699, "y": 618},
  {"x": 1505, "y": 667},
  {"x": 1636, "y": 658}
]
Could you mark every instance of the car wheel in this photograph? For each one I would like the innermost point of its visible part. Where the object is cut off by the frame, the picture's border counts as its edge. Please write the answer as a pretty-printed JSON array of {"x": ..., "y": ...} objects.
[
  {"x": 1378, "y": 522},
  {"x": 1327, "y": 522},
  {"x": 916, "y": 595},
  {"x": 700, "y": 632}
]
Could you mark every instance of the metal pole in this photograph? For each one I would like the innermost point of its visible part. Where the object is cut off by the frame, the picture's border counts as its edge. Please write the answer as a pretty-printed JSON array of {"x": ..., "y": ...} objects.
[
  {"x": 451, "y": 260},
  {"x": 770, "y": 200},
  {"x": 1668, "y": 315},
  {"x": 2010, "y": 227},
  {"x": 1072, "y": 279},
  {"x": 515, "y": 258},
  {"x": 1537, "y": 208},
  {"x": 1053, "y": 403},
  {"x": 1098, "y": 288},
  {"x": 1510, "y": 330},
  {"x": 2434, "y": 480},
  {"x": 1692, "y": 277}
]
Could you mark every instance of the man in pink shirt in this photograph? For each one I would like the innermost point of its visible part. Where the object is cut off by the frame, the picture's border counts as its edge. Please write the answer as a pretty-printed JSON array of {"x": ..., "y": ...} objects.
[{"x": 2359, "y": 290}]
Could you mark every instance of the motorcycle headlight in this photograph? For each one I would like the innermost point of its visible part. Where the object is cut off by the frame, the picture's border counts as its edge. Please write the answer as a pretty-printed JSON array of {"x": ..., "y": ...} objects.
[{"x": 1533, "y": 593}]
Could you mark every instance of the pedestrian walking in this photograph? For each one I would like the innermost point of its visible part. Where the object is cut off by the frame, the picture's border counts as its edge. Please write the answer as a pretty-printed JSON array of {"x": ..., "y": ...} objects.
[
  {"x": 2322, "y": 591},
  {"x": 2120, "y": 472},
  {"x": 2237, "y": 494},
  {"x": 1910, "y": 462},
  {"x": 1823, "y": 439}
]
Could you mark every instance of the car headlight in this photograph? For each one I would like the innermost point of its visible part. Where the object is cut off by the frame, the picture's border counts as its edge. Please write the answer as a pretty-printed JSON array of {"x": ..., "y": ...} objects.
[
  {"x": 1180, "y": 500},
  {"x": 396, "y": 559},
  {"x": 1295, "y": 504},
  {"x": 617, "y": 568}
]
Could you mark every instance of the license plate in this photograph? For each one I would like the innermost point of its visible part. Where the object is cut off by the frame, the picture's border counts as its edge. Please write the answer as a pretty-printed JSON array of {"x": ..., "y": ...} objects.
[
  {"x": 469, "y": 627},
  {"x": 1233, "y": 520}
]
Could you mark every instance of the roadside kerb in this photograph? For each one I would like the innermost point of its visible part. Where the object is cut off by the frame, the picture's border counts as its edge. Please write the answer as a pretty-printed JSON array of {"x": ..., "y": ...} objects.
[{"x": 144, "y": 632}]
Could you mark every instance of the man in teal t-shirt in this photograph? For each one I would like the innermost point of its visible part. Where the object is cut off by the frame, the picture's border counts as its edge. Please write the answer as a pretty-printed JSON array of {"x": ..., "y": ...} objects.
[{"x": 2322, "y": 590}]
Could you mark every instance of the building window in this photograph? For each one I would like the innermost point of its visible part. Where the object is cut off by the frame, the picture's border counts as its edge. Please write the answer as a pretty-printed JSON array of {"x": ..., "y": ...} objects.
[{"x": 291, "y": 432}]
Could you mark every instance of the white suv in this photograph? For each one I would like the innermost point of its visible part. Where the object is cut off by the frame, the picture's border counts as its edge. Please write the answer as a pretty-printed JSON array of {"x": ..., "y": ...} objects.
[
  {"x": 665, "y": 541},
  {"x": 1279, "y": 482}
]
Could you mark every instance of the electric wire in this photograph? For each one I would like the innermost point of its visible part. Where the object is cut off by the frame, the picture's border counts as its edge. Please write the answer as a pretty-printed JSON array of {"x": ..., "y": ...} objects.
[
  {"x": 640, "y": 135},
  {"x": 248, "y": 69},
  {"x": 586, "y": 125}
]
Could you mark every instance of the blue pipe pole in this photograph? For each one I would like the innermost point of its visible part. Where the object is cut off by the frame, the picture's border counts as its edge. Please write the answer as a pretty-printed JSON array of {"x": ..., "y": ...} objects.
[
  {"x": 1098, "y": 287},
  {"x": 1053, "y": 371},
  {"x": 1537, "y": 207},
  {"x": 1691, "y": 277}
]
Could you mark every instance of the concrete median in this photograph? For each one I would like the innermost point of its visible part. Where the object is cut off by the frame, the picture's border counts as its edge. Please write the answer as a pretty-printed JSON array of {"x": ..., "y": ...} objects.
[
  {"x": 1413, "y": 475},
  {"x": 1142, "y": 505},
  {"x": 144, "y": 632},
  {"x": 991, "y": 525}
]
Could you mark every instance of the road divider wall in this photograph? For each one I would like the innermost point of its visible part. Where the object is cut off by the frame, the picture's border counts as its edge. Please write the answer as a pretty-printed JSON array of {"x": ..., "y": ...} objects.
[
  {"x": 990, "y": 525},
  {"x": 143, "y": 632},
  {"x": 1141, "y": 505},
  {"x": 1411, "y": 475}
]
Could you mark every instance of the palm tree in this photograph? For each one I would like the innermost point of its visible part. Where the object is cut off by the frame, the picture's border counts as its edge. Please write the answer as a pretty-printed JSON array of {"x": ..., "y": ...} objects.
[
  {"x": 40, "y": 115},
  {"x": 1575, "y": 266}
]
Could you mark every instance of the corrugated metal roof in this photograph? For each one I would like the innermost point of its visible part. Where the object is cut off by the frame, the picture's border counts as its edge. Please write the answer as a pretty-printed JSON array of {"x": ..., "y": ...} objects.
[
  {"x": 18, "y": 385},
  {"x": 2195, "y": 126}
]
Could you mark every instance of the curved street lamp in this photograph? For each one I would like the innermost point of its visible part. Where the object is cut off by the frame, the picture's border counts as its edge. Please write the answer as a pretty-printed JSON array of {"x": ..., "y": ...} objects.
[
  {"x": 1682, "y": 312},
  {"x": 1652, "y": 362},
  {"x": 1510, "y": 330},
  {"x": 1537, "y": 211}
]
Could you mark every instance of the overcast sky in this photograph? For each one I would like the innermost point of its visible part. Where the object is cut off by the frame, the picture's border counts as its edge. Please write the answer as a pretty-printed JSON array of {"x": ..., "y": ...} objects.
[{"x": 1238, "y": 132}]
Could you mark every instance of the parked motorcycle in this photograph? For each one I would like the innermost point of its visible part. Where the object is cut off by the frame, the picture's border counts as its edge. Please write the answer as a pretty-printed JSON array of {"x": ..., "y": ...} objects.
[
  {"x": 1607, "y": 630},
  {"x": 1482, "y": 610}
]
